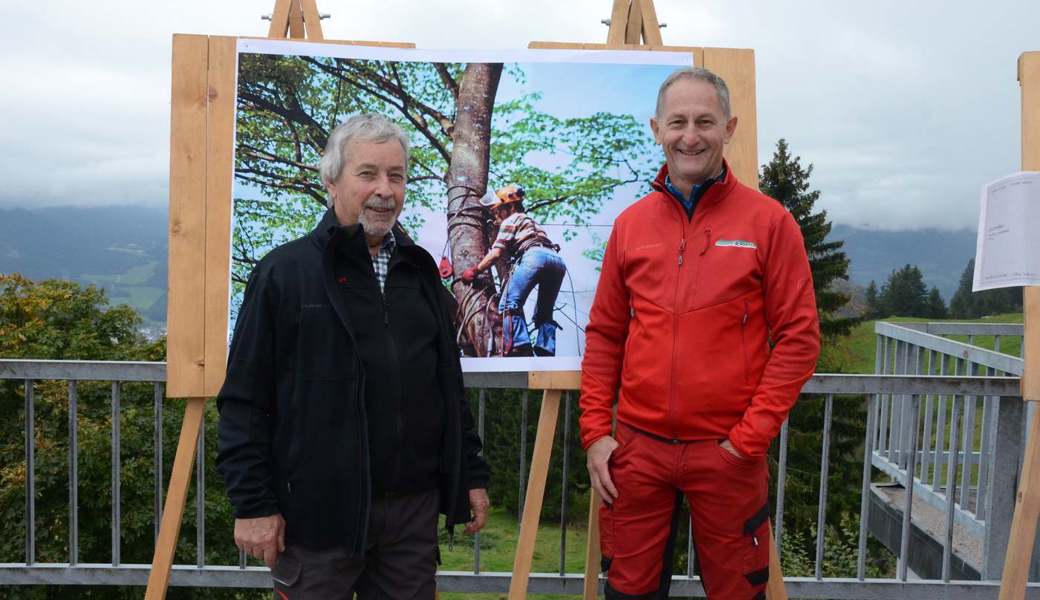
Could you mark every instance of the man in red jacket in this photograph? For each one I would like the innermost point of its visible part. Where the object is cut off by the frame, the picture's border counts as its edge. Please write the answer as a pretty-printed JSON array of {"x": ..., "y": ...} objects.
[{"x": 704, "y": 325}]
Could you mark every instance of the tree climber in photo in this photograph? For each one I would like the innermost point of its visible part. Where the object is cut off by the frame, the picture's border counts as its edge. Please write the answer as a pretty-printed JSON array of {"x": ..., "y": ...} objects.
[{"x": 534, "y": 260}]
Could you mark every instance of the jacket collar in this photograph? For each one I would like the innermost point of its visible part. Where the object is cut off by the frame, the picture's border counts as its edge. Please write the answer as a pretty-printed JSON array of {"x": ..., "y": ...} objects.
[
  {"x": 329, "y": 228},
  {"x": 716, "y": 193}
]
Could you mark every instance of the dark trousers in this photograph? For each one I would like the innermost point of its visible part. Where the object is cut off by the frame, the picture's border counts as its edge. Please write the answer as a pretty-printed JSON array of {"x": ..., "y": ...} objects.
[
  {"x": 400, "y": 563},
  {"x": 728, "y": 507}
]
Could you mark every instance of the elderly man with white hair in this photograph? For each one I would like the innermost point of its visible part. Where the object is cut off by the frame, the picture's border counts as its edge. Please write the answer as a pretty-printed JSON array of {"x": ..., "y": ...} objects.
[{"x": 344, "y": 429}]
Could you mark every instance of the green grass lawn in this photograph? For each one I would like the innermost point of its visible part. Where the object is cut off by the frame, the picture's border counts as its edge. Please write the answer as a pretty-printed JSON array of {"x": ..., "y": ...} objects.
[
  {"x": 138, "y": 275},
  {"x": 498, "y": 543}
]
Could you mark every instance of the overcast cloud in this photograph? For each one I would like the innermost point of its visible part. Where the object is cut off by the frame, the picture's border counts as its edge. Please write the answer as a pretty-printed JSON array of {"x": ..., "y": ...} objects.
[{"x": 904, "y": 108}]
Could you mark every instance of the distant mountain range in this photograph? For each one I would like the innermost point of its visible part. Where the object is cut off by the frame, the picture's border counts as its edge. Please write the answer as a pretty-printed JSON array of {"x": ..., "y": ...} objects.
[
  {"x": 123, "y": 250},
  {"x": 941, "y": 255},
  {"x": 119, "y": 248}
]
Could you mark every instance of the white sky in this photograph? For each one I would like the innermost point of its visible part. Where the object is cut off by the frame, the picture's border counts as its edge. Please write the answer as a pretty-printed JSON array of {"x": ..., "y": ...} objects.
[{"x": 905, "y": 108}]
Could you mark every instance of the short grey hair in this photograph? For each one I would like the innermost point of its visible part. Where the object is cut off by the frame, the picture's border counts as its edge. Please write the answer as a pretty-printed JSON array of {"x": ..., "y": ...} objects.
[
  {"x": 366, "y": 127},
  {"x": 695, "y": 74}
]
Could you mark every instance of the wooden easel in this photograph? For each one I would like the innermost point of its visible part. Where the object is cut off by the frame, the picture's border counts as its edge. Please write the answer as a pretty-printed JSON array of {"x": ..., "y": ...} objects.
[
  {"x": 1027, "y": 502},
  {"x": 201, "y": 159},
  {"x": 201, "y": 167},
  {"x": 634, "y": 26}
]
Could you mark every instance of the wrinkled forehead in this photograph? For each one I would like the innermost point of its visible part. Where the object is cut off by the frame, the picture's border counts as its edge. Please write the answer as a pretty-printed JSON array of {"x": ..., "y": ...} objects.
[
  {"x": 386, "y": 154},
  {"x": 690, "y": 96}
]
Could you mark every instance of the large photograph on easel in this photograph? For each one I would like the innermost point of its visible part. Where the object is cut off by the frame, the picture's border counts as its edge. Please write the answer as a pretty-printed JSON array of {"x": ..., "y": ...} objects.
[{"x": 569, "y": 147}]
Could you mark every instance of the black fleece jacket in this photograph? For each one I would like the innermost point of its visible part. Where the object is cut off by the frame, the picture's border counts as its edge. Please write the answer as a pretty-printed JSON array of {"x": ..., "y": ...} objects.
[{"x": 294, "y": 431}]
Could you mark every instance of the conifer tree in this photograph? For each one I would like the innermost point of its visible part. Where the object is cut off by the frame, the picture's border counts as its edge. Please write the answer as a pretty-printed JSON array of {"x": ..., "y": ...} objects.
[
  {"x": 873, "y": 309},
  {"x": 967, "y": 304},
  {"x": 962, "y": 305},
  {"x": 785, "y": 179},
  {"x": 905, "y": 293},
  {"x": 936, "y": 306}
]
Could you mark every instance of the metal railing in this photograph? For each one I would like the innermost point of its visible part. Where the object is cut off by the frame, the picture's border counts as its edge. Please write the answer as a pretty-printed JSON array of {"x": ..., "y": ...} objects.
[
  {"x": 878, "y": 390},
  {"x": 935, "y": 435}
]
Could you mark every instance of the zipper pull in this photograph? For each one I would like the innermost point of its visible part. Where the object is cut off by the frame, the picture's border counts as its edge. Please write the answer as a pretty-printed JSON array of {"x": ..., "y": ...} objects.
[
  {"x": 707, "y": 240},
  {"x": 746, "y": 310},
  {"x": 682, "y": 248},
  {"x": 386, "y": 312}
]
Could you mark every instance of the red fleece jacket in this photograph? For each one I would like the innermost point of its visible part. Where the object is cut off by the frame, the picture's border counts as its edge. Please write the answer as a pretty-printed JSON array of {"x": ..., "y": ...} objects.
[{"x": 685, "y": 313}]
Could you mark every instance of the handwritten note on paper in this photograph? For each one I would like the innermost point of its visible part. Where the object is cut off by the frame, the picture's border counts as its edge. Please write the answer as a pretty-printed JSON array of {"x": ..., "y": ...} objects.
[{"x": 1007, "y": 252}]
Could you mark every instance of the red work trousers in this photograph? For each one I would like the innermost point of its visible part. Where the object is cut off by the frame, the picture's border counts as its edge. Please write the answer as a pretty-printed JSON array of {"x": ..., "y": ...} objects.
[{"x": 728, "y": 501}]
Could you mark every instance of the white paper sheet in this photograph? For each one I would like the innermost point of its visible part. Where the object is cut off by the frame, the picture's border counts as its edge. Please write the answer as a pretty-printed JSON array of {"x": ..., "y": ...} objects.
[{"x": 1007, "y": 253}]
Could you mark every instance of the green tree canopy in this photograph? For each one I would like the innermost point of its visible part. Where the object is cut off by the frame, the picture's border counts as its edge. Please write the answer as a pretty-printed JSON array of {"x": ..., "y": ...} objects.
[
  {"x": 56, "y": 319},
  {"x": 785, "y": 179},
  {"x": 873, "y": 307},
  {"x": 936, "y": 306},
  {"x": 905, "y": 294}
]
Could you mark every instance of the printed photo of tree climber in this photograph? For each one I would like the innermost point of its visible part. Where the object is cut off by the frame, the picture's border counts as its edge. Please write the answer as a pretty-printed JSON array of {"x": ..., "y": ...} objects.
[
  {"x": 570, "y": 128},
  {"x": 534, "y": 260}
]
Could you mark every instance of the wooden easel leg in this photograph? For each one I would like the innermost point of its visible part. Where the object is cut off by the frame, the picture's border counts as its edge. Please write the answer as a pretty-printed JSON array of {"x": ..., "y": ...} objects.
[
  {"x": 775, "y": 586},
  {"x": 180, "y": 478},
  {"x": 592, "y": 552},
  {"x": 1023, "y": 524},
  {"x": 535, "y": 492}
]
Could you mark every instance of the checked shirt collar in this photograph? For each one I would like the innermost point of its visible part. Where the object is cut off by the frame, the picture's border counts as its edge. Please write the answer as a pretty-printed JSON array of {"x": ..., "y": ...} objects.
[{"x": 381, "y": 261}]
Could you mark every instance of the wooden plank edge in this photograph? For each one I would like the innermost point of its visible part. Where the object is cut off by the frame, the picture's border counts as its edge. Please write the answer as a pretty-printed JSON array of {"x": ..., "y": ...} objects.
[
  {"x": 775, "y": 589},
  {"x": 634, "y": 27},
  {"x": 540, "y": 460},
  {"x": 651, "y": 26},
  {"x": 1029, "y": 79},
  {"x": 312, "y": 20},
  {"x": 220, "y": 153},
  {"x": 618, "y": 22},
  {"x": 296, "y": 29},
  {"x": 186, "y": 227},
  {"x": 590, "y": 585},
  {"x": 1023, "y": 524},
  {"x": 377, "y": 44},
  {"x": 544, "y": 45},
  {"x": 177, "y": 494},
  {"x": 554, "y": 380},
  {"x": 737, "y": 67},
  {"x": 279, "y": 19}
]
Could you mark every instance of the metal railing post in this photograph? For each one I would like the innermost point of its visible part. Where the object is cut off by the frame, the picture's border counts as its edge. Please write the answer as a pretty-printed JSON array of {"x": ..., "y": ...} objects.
[
  {"x": 481, "y": 412},
  {"x": 116, "y": 471},
  {"x": 523, "y": 454},
  {"x": 73, "y": 474},
  {"x": 157, "y": 458},
  {"x": 781, "y": 484},
  {"x": 905, "y": 533},
  {"x": 864, "y": 508},
  {"x": 825, "y": 455},
  {"x": 1003, "y": 479},
  {"x": 30, "y": 474}
]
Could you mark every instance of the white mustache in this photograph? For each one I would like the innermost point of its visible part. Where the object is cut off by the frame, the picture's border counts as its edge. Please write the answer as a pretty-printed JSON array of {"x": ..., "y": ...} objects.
[{"x": 379, "y": 205}]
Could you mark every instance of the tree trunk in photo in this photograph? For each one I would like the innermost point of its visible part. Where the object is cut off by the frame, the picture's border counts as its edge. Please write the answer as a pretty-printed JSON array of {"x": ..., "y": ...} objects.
[{"x": 467, "y": 232}]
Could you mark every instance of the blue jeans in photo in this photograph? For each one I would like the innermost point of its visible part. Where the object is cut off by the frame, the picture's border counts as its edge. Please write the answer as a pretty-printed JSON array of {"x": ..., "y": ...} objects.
[{"x": 544, "y": 268}]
